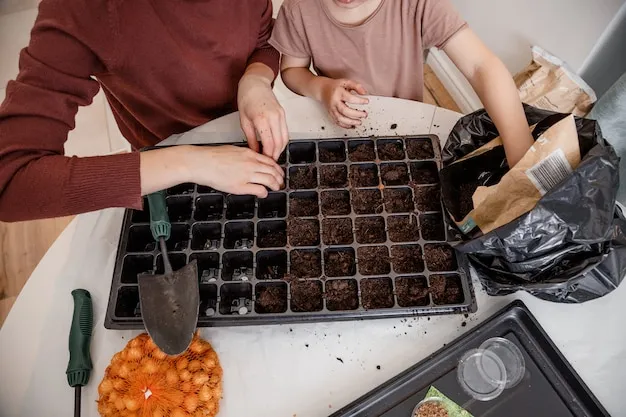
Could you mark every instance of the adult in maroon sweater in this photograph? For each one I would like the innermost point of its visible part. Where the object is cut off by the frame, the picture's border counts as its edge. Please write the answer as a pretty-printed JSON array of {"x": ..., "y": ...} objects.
[{"x": 166, "y": 66}]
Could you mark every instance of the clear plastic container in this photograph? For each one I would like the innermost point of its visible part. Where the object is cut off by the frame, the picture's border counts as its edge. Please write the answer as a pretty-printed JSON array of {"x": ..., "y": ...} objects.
[
  {"x": 482, "y": 374},
  {"x": 510, "y": 355}
]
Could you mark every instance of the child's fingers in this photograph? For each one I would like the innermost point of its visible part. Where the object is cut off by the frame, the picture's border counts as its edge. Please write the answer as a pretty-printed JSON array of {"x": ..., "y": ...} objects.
[
  {"x": 346, "y": 120},
  {"x": 353, "y": 85},
  {"x": 348, "y": 97},
  {"x": 350, "y": 112}
]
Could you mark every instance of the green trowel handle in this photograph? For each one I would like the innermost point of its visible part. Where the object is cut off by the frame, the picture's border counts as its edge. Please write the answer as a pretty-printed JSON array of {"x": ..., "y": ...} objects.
[
  {"x": 79, "y": 365},
  {"x": 159, "y": 220}
]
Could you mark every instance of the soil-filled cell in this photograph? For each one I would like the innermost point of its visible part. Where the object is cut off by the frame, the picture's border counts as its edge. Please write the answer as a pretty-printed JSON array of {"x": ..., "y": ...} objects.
[
  {"x": 335, "y": 203},
  {"x": 398, "y": 200},
  {"x": 303, "y": 204},
  {"x": 412, "y": 291},
  {"x": 432, "y": 227},
  {"x": 303, "y": 177},
  {"x": 390, "y": 149},
  {"x": 303, "y": 232},
  {"x": 339, "y": 262},
  {"x": 419, "y": 148},
  {"x": 370, "y": 230},
  {"x": 407, "y": 259},
  {"x": 367, "y": 201},
  {"x": 373, "y": 260},
  {"x": 361, "y": 150},
  {"x": 342, "y": 294},
  {"x": 424, "y": 172},
  {"x": 306, "y": 296},
  {"x": 363, "y": 175},
  {"x": 377, "y": 293},
  {"x": 446, "y": 289},
  {"x": 305, "y": 263},
  {"x": 394, "y": 174},
  {"x": 332, "y": 151},
  {"x": 403, "y": 228},
  {"x": 440, "y": 257},
  {"x": 271, "y": 298},
  {"x": 333, "y": 176},
  {"x": 427, "y": 198},
  {"x": 337, "y": 231}
]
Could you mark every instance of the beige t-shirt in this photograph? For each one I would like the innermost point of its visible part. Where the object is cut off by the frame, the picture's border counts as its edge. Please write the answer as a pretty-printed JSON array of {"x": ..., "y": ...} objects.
[{"x": 385, "y": 53}]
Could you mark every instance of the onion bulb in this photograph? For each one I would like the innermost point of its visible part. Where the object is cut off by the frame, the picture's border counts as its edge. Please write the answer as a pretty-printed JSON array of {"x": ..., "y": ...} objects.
[
  {"x": 105, "y": 387},
  {"x": 119, "y": 404},
  {"x": 181, "y": 363},
  {"x": 191, "y": 403},
  {"x": 177, "y": 412},
  {"x": 204, "y": 394},
  {"x": 184, "y": 375},
  {"x": 134, "y": 354},
  {"x": 186, "y": 387},
  {"x": 132, "y": 404},
  {"x": 171, "y": 377},
  {"x": 194, "y": 365},
  {"x": 150, "y": 367},
  {"x": 200, "y": 378}
]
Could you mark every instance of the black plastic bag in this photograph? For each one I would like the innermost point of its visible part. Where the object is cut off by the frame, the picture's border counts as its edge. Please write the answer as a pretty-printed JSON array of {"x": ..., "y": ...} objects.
[{"x": 572, "y": 246}]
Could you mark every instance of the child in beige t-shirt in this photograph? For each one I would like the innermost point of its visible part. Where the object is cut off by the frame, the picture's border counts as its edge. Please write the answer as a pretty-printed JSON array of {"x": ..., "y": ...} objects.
[{"x": 376, "y": 47}]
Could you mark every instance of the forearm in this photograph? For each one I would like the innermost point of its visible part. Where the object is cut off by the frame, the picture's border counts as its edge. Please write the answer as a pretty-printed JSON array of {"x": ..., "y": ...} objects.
[
  {"x": 260, "y": 70},
  {"x": 163, "y": 168},
  {"x": 302, "y": 81}
]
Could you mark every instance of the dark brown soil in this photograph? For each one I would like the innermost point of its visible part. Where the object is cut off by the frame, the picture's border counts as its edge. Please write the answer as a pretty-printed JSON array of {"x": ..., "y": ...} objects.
[
  {"x": 440, "y": 257},
  {"x": 365, "y": 175},
  {"x": 342, "y": 294},
  {"x": 424, "y": 173},
  {"x": 304, "y": 177},
  {"x": 337, "y": 231},
  {"x": 333, "y": 176},
  {"x": 363, "y": 152},
  {"x": 432, "y": 227},
  {"x": 370, "y": 230},
  {"x": 373, "y": 260},
  {"x": 466, "y": 204},
  {"x": 446, "y": 289},
  {"x": 398, "y": 200},
  {"x": 332, "y": 155},
  {"x": 339, "y": 263},
  {"x": 306, "y": 296},
  {"x": 301, "y": 206},
  {"x": 390, "y": 151},
  {"x": 335, "y": 203},
  {"x": 412, "y": 291},
  {"x": 419, "y": 149},
  {"x": 271, "y": 299},
  {"x": 407, "y": 259},
  {"x": 306, "y": 263},
  {"x": 427, "y": 198},
  {"x": 394, "y": 174},
  {"x": 376, "y": 293},
  {"x": 303, "y": 232},
  {"x": 403, "y": 228},
  {"x": 273, "y": 239},
  {"x": 367, "y": 201}
]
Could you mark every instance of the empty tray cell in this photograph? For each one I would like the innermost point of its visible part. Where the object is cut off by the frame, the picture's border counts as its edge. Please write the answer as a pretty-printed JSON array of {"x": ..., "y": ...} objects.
[
  {"x": 303, "y": 232},
  {"x": 337, "y": 231},
  {"x": 203, "y": 189},
  {"x": 181, "y": 189},
  {"x": 363, "y": 175},
  {"x": 370, "y": 229},
  {"x": 412, "y": 291},
  {"x": 239, "y": 207},
  {"x": 208, "y": 266},
  {"x": 237, "y": 266},
  {"x": 390, "y": 149},
  {"x": 373, "y": 260},
  {"x": 179, "y": 208},
  {"x": 271, "y": 234},
  {"x": 394, "y": 174},
  {"x": 270, "y": 298},
  {"x": 377, "y": 293},
  {"x": 127, "y": 303},
  {"x": 274, "y": 205},
  {"x": 136, "y": 264},
  {"x": 424, "y": 172},
  {"x": 271, "y": 264},
  {"x": 208, "y": 300},
  {"x": 403, "y": 228},
  {"x": 432, "y": 227},
  {"x": 301, "y": 152},
  {"x": 407, "y": 259},
  {"x": 179, "y": 238},
  {"x": 305, "y": 263},
  {"x": 140, "y": 239},
  {"x": 239, "y": 235},
  {"x": 398, "y": 200},
  {"x": 303, "y": 177},
  {"x": 236, "y": 298},
  {"x": 419, "y": 148},
  {"x": 367, "y": 201},
  {"x": 361, "y": 150},
  {"x": 446, "y": 289},
  {"x": 427, "y": 198},
  {"x": 209, "y": 207},
  {"x": 177, "y": 260},
  {"x": 335, "y": 203},
  {"x": 342, "y": 294},
  {"x": 332, "y": 151},
  {"x": 142, "y": 216},
  {"x": 440, "y": 257},
  {"x": 306, "y": 296},
  {"x": 339, "y": 262},
  {"x": 206, "y": 236},
  {"x": 333, "y": 176},
  {"x": 282, "y": 159},
  {"x": 303, "y": 204}
]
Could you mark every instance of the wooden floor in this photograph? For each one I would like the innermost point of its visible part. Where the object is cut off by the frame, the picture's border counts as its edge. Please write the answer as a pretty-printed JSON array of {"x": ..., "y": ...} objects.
[{"x": 22, "y": 245}]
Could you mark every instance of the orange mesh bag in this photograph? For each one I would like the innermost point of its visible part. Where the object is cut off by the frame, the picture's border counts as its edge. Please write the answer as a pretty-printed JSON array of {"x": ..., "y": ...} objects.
[{"x": 142, "y": 381}]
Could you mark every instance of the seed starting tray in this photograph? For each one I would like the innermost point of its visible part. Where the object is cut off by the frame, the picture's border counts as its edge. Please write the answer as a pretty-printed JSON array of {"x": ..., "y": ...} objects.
[{"x": 357, "y": 233}]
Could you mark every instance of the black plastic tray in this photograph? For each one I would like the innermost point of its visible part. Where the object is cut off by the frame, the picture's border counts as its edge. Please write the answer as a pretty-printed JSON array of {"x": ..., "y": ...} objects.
[
  {"x": 225, "y": 234},
  {"x": 550, "y": 388}
]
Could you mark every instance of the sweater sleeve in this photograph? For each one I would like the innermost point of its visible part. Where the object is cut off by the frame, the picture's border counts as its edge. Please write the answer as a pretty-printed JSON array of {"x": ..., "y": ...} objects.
[
  {"x": 264, "y": 52},
  {"x": 55, "y": 78}
]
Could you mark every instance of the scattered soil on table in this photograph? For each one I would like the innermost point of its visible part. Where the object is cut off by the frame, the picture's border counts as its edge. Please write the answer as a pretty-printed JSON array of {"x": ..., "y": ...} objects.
[
  {"x": 377, "y": 293},
  {"x": 440, "y": 257},
  {"x": 337, "y": 231},
  {"x": 303, "y": 177},
  {"x": 367, "y": 202},
  {"x": 363, "y": 175},
  {"x": 342, "y": 294},
  {"x": 431, "y": 410},
  {"x": 273, "y": 239},
  {"x": 427, "y": 198},
  {"x": 419, "y": 149},
  {"x": 306, "y": 264},
  {"x": 424, "y": 173},
  {"x": 335, "y": 203},
  {"x": 398, "y": 200},
  {"x": 407, "y": 259},
  {"x": 432, "y": 227},
  {"x": 362, "y": 152},
  {"x": 303, "y": 232},
  {"x": 373, "y": 260},
  {"x": 466, "y": 204},
  {"x": 403, "y": 228},
  {"x": 271, "y": 299},
  {"x": 339, "y": 263},
  {"x": 412, "y": 291},
  {"x": 306, "y": 296},
  {"x": 332, "y": 155},
  {"x": 370, "y": 230},
  {"x": 303, "y": 206},
  {"x": 394, "y": 174},
  {"x": 390, "y": 151},
  {"x": 393, "y": 126},
  {"x": 333, "y": 176},
  {"x": 446, "y": 289}
]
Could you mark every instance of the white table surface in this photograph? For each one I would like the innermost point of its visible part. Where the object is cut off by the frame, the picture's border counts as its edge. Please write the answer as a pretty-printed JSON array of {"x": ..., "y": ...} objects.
[{"x": 268, "y": 370}]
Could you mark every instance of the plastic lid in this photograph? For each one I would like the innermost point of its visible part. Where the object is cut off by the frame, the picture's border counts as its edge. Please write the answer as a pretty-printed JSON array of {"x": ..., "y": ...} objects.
[
  {"x": 481, "y": 374},
  {"x": 510, "y": 355}
]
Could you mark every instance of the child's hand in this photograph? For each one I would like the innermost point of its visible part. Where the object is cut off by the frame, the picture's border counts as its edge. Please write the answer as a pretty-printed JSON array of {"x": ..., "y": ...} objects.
[{"x": 335, "y": 95}]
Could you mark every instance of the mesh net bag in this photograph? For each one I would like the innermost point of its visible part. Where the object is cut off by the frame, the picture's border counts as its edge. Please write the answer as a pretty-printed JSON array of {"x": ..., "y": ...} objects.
[{"x": 142, "y": 381}]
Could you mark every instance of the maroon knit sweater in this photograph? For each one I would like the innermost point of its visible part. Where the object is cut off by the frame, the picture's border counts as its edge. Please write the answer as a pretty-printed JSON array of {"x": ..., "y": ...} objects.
[{"x": 165, "y": 66}]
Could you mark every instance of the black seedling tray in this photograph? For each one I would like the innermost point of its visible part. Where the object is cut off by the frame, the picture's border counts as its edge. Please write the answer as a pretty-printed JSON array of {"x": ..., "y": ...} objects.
[
  {"x": 550, "y": 387},
  {"x": 357, "y": 233}
]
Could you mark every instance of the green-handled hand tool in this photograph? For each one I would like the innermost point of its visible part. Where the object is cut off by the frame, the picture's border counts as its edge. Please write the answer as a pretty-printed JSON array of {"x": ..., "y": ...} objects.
[
  {"x": 79, "y": 365},
  {"x": 169, "y": 302}
]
